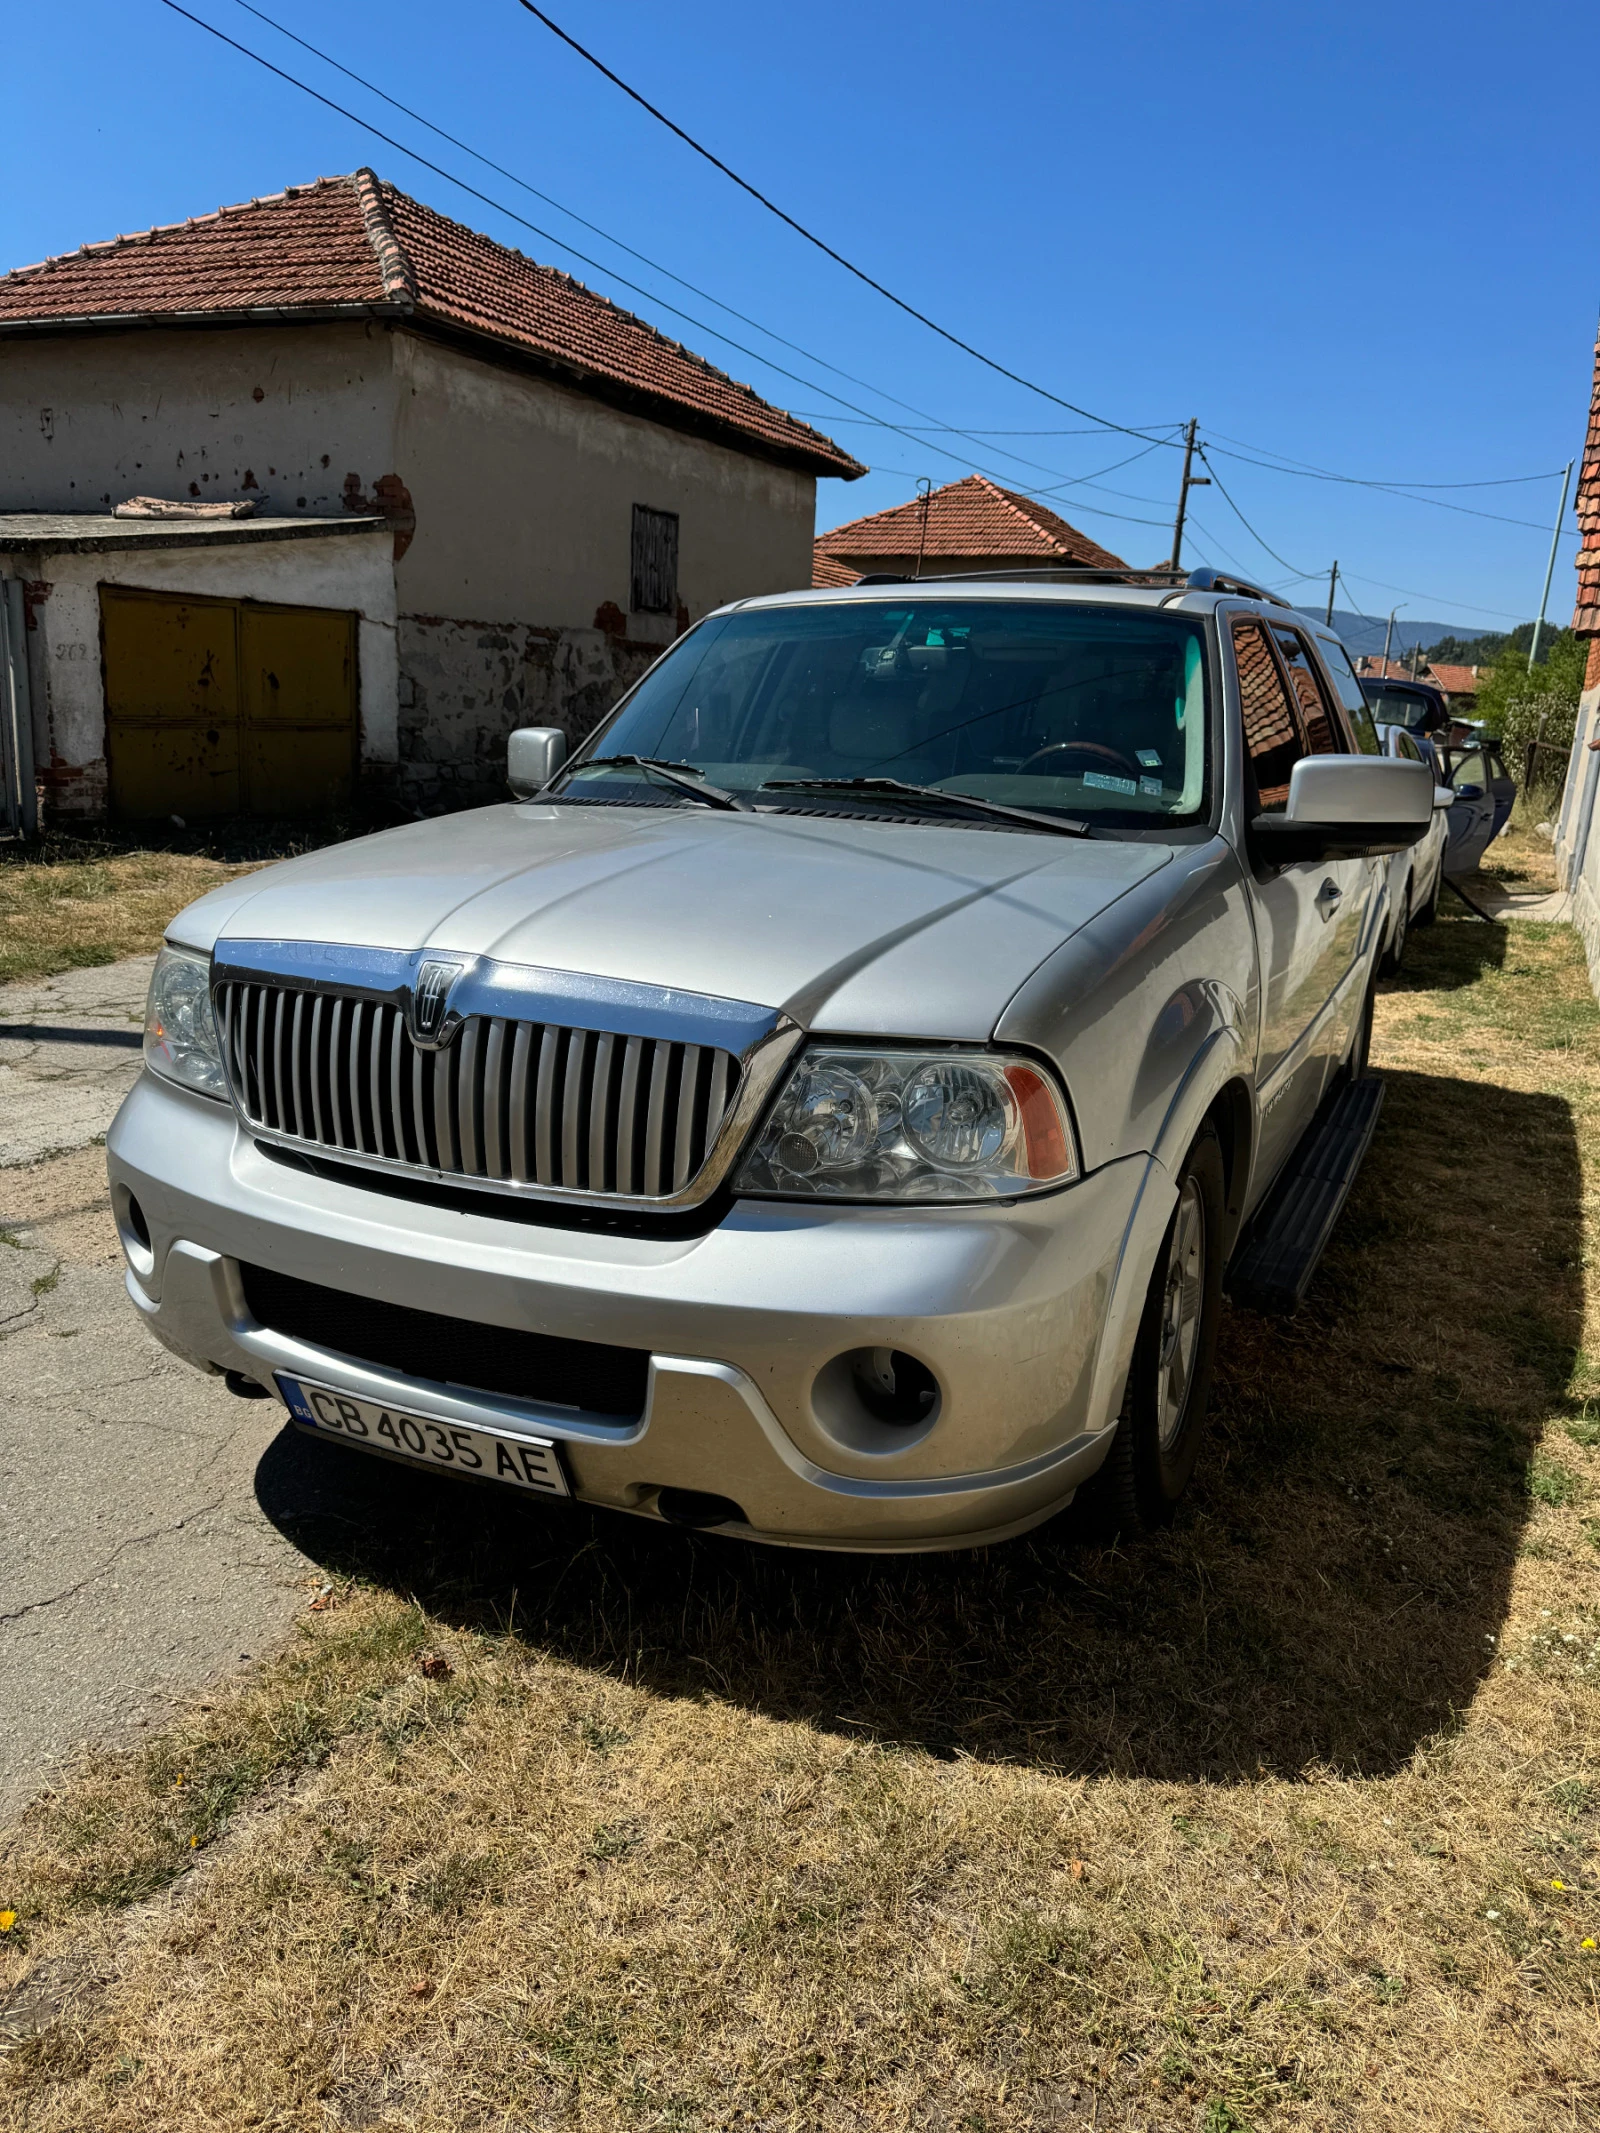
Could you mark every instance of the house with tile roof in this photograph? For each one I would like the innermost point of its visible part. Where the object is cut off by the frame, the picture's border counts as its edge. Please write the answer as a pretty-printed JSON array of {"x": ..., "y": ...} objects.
[
  {"x": 479, "y": 495},
  {"x": 1586, "y": 615},
  {"x": 971, "y": 524}
]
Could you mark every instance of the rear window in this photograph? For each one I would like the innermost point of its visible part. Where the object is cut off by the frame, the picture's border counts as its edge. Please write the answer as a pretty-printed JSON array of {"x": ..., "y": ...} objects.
[{"x": 1352, "y": 697}]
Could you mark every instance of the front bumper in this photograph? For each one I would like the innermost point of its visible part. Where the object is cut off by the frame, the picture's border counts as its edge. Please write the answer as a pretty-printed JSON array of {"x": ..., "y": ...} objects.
[{"x": 1025, "y": 1314}]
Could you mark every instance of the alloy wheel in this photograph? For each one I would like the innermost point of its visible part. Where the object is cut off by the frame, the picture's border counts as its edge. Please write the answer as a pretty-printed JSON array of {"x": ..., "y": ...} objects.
[{"x": 1180, "y": 1312}]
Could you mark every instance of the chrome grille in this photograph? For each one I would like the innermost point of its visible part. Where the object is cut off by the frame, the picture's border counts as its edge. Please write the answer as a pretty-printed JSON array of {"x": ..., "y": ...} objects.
[{"x": 513, "y": 1103}]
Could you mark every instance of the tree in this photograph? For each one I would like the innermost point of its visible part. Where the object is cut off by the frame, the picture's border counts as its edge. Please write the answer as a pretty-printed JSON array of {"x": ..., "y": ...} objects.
[{"x": 1550, "y": 691}]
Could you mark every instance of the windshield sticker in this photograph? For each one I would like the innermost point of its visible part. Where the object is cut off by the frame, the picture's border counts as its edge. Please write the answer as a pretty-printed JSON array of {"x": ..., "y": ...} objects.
[
  {"x": 1151, "y": 758},
  {"x": 1102, "y": 783},
  {"x": 1152, "y": 786}
]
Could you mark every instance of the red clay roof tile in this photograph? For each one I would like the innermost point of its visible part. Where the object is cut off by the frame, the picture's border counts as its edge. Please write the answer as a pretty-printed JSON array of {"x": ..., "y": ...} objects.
[
  {"x": 1455, "y": 681},
  {"x": 1586, "y": 616},
  {"x": 354, "y": 243},
  {"x": 967, "y": 520}
]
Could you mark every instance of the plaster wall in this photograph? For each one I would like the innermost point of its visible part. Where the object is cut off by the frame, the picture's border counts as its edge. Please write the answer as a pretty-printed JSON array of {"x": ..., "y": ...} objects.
[
  {"x": 281, "y": 414},
  {"x": 513, "y": 592},
  {"x": 351, "y": 571},
  {"x": 524, "y": 496}
]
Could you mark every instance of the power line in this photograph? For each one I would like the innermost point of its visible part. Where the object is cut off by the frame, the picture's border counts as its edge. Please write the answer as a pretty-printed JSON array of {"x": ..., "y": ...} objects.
[
  {"x": 1387, "y": 488},
  {"x": 1305, "y": 466},
  {"x": 571, "y": 250},
  {"x": 656, "y": 266},
  {"x": 908, "y": 433},
  {"x": 1239, "y": 515},
  {"x": 821, "y": 244}
]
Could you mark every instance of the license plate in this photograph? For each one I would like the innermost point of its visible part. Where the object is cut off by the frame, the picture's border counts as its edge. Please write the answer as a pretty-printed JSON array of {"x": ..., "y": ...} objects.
[{"x": 521, "y": 1462}]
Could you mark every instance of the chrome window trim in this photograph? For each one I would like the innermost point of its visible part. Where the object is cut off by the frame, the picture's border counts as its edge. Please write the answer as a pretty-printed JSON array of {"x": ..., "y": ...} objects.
[{"x": 762, "y": 1039}]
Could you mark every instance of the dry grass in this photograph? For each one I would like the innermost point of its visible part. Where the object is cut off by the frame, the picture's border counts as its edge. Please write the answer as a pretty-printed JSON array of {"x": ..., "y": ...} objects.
[
  {"x": 71, "y": 901},
  {"x": 1288, "y": 1819}
]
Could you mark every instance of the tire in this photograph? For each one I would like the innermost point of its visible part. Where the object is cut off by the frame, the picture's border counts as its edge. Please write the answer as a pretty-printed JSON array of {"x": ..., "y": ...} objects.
[
  {"x": 1402, "y": 923},
  {"x": 1158, "y": 1436},
  {"x": 1361, "y": 1049},
  {"x": 1430, "y": 910}
]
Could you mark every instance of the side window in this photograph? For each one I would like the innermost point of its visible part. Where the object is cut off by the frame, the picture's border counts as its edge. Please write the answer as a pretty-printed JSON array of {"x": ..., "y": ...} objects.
[
  {"x": 1406, "y": 746},
  {"x": 1470, "y": 771},
  {"x": 1321, "y": 729},
  {"x": 1357, "y": 710},
  {"x": 1271, "y": 731}
]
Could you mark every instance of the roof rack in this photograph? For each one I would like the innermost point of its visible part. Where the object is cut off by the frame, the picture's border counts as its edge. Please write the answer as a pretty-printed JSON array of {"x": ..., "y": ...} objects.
[
  {"x": 1202, "y": 580},
  {"x": 1207, "y": 580}
]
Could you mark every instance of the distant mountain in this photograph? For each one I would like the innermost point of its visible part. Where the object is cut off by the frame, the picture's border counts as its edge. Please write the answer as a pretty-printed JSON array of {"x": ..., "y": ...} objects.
[{"x": 1363, "y": 635}]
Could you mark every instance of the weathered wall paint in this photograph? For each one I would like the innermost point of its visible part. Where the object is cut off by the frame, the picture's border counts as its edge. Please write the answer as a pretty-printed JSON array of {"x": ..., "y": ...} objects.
[
  {"x": 352, "y": 571},
  {"x": 464, "y": 686},
  {"x": 524, "y": 496},
  {"x": 511, "y": 502},
  {"x": 89, "y": 420}
]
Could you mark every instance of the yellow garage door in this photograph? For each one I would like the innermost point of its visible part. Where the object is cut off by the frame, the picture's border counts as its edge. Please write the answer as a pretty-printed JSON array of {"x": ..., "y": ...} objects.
[{"x": 223, "y": 707}]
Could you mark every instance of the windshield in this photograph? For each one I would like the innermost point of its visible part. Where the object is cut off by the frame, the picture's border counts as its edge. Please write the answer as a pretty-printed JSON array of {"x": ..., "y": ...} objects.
[{"x": 1093, "y": 712}]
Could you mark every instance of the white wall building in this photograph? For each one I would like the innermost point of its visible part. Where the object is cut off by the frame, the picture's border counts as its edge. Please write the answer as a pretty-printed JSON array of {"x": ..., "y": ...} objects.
[{"x": 513, "y": 492}]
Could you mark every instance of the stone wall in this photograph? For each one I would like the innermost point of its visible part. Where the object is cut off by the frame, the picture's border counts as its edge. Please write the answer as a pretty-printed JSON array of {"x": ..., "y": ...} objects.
[{"x": 465, "y": 685}]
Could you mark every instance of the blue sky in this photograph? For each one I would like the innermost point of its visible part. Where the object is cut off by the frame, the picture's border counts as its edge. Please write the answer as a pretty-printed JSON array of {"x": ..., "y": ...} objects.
[{"x": 1366, "y": 238}]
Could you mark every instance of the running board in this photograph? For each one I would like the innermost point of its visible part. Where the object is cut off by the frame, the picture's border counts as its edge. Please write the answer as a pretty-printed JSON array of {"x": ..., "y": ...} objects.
[{"x": 1272, "y": 1269}]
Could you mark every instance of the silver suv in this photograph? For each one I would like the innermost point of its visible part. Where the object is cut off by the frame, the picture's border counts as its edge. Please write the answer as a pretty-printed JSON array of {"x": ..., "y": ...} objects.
[{"x": 828, "y": 1107}]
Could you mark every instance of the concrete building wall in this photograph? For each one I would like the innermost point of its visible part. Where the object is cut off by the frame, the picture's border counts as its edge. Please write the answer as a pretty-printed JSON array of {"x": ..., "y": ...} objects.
[
  {"x": 350, "y": 571},
  {"x": 513, "y": 591},
  {"x": 510, "y": 502},
  {"x": 282, "y": 414}
]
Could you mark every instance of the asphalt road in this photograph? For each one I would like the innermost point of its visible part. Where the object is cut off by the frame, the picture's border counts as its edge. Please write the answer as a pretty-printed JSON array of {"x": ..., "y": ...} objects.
[{"x": 137, "y": 1565}]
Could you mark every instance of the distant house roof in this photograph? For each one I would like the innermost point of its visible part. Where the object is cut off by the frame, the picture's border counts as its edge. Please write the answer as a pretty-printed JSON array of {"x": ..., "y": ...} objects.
[
  {"x": 1586, "y": 618},
  {"x": 1372, "y": 667},
  {"x": 354, "y": 246},
  {"x": 1455, "y": 681},
  {"x": 972, "y": 520},
  {"x": 826, "y": 571}
]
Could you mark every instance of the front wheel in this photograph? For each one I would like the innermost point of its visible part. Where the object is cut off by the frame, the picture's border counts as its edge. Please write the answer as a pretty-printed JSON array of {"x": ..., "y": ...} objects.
[
  {"x": 1402, "y": 921},
  {"x": 1169, "y": 1384},
  {"x": 1430, "y": 910}
]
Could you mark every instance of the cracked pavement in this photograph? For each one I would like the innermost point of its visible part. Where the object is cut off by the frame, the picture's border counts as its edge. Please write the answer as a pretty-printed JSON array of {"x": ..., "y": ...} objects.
[
  {"x": 69, "y": 1053},
  {"x": 137, "y": 1565}
]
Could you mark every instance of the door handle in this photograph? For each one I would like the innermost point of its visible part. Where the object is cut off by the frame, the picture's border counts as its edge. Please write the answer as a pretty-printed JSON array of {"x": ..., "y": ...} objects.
[{"x": 1329, "y": 895}]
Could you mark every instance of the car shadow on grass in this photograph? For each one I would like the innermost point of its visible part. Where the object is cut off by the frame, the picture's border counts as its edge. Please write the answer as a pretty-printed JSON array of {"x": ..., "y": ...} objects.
[{"x": 1330, "y": 1596}]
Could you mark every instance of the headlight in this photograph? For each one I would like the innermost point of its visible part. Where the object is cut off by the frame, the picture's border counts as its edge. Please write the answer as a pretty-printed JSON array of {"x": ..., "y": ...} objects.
[
  {"x": 861, "y": 1125},
  {"x": 180, "y": 1033}
]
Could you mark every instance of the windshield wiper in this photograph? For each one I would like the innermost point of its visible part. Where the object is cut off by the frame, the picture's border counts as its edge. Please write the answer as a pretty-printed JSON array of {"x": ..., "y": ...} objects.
[
  {"x": 683, "y": 775},
  {"x": 894, "y": 789}
]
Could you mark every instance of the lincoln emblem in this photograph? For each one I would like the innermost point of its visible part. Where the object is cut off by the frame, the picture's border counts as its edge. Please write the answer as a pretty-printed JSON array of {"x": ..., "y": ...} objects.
[{"x": 427, "y": 1008}]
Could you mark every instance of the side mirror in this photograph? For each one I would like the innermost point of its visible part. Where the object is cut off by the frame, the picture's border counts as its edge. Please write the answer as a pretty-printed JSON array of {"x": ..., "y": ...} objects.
[
  {"x": 533, "y": 756},
  {"x": 1346, "y": 807},
  {"x": 1469, "y": 792},
  {"x": 1443, "y": 796}
]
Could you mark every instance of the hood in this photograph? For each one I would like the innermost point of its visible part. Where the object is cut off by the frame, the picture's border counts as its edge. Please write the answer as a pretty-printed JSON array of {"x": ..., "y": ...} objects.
[{"x": 868, "y": 928}]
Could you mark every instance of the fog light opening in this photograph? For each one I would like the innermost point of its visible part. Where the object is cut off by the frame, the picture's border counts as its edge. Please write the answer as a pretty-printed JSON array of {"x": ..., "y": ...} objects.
[
  {"x": 694, "y": 1507},
  {"x": 134, "y": 1231},
  {"x": 894, "y": 1386},
  {"x": 876, "y": 1399}
]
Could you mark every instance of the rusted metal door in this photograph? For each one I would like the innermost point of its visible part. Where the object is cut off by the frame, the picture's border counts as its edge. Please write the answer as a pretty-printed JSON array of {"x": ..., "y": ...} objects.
[
  {"x": 220, "y": 707},
  {"x": 172, "y": 703},
  {"x": 297, "y": 674}
]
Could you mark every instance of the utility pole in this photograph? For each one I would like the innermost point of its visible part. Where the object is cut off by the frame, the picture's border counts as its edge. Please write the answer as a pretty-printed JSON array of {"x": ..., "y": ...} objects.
[
  {"x": 1333, "y": 587},
  {"x": 1388, "y": 633},
  {"x": 1550, "y": 567},
  {"x": 925, "y": 491},
  {"x": 1190, "y": 481}
]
